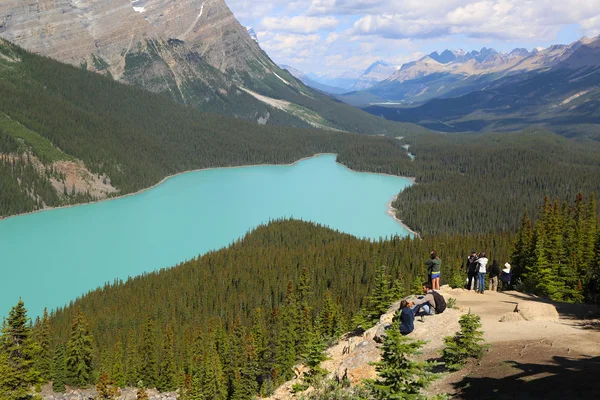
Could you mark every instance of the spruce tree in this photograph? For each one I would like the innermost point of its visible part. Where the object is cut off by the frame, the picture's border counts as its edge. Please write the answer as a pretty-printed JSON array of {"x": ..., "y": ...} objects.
[
  {"x": 132, "y": 361},
  {"x": 148, "y": 368},
  {"x": 44, "y": 358},
  {"x": 117, "y": 369},
  {"x": 213, "y": 384},
  {"x": 400, "y": 376},
  {"x": 247, "y": 386},
  {"x": 465, "y": 344},
  {"x": 17, "y": 351},
  {"x": 314, "y": 356},
  {"x": 288, "y": 335},
  {"x": 59, "y": 369},
  {"x": 79, "y": 355},
  {"x": 167, "y": 376}
]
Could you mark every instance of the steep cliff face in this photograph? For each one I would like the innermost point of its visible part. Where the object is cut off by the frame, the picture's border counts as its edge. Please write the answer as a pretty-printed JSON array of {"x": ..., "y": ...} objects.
[
  {"x": 102, "y": 33},
  {"x": 194, "y": 50}
]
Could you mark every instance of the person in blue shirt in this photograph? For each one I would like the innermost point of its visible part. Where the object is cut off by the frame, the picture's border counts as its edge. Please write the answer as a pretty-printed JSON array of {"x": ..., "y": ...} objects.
[{"x": 407, "y": 318}]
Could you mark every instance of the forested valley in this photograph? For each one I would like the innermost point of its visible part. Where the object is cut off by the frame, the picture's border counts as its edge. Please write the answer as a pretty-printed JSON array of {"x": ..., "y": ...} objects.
[{"x": 232, "y": 323}]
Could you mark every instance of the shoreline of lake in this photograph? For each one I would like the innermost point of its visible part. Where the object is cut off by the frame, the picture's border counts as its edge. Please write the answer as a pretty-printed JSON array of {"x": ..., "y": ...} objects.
[{"x": 391, "y": 210}]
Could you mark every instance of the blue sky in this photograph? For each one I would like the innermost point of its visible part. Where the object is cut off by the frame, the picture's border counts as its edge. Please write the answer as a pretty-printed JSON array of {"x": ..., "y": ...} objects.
[{"x": 334, "y": 35}]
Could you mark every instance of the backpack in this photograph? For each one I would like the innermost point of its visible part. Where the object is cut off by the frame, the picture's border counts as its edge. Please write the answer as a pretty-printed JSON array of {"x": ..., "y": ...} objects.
[{"x": 440, "y": 303}]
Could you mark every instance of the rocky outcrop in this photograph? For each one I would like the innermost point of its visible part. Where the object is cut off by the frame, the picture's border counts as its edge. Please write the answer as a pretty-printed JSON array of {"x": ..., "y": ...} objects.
[
  {"x": 88, "y": 394},
  {"x": 532, "y": 311}
]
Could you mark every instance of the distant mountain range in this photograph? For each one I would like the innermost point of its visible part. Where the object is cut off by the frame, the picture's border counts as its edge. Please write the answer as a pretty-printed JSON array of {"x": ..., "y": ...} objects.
[
  {"x": 452, "y": 73},
  {"x": 348, "y": 80},
  {"x": 557, "y": 87}
]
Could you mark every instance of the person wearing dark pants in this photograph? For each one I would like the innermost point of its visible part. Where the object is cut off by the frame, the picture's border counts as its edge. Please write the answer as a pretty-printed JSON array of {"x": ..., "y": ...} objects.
[
  {"x": 472, "y": 271},
  {"x": 494, "y": 274}
]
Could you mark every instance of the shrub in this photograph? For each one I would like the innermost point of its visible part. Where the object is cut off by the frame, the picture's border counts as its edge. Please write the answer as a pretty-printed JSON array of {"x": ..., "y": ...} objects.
[{"x": 465, "y": 344}]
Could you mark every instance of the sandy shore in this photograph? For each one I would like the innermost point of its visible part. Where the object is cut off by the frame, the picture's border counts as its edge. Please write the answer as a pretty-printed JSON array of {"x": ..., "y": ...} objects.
[{"x": 390, "y": 212}]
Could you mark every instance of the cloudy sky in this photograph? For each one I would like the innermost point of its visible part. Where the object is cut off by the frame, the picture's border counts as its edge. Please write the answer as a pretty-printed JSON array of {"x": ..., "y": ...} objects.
[{"x": 333, "y": 35}]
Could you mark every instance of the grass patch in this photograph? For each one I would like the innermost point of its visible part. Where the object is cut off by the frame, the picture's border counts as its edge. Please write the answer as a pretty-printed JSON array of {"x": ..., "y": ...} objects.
[{"x": 42, "y": 148}]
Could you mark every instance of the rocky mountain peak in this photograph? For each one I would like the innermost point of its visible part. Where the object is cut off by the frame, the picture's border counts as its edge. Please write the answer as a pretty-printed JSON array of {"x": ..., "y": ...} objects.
[{"x": 101, "y": 33}]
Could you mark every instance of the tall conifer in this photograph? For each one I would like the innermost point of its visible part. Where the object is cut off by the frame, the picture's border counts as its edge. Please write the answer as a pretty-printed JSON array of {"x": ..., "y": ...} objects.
[
  {"x": 44, "y": 358},
  {"x": 79, "y": 355},
  {"x": 59, "y": 369},
  {"x": 167, "y": 376},
  {"x": 17, "y": 351},
  {"x": 148, "y": 368}
]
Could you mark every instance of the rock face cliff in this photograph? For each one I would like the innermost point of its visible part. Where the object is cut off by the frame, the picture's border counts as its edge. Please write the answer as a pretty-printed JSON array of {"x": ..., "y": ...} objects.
[
  {"x": 195, "y": 50},
  {"x": 101, "y": 33}
]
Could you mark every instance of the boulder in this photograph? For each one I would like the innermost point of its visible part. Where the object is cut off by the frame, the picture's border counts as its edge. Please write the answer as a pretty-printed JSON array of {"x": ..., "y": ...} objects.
[
  {"x": 537, "y": 311},
  {"x": 512, "y": 317}
]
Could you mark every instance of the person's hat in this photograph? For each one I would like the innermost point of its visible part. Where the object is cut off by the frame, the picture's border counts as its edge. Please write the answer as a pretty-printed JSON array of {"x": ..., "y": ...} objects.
[{"x": 473, "y": 251}]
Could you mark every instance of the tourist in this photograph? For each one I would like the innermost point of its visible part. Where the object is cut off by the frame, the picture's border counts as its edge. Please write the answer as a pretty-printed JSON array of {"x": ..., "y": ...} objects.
[
  {"x": 407, "y": 318},
  {"x": 433, "y": 268},
  {"x": 505, "y": 277},
  {"x": 424, "y": 305},
  {"x": 472, "y": 271},
  {"x": 481, "y": 264},
  {"x": 494, "y": 274}
]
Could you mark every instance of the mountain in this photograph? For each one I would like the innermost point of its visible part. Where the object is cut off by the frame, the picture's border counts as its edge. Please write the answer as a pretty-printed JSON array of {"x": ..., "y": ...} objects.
[
  {"x": 312, "y": 83},
  {"x": 377, "y": 72},
  {"x": 558, "y": 87},
  {"x": 196, "y": 52},
  {"x": 252, "y": 34},
  {"x": 454, "y": 73},
  {"x": 69, "y": 136},
  {"x": 345, "y": 79}
]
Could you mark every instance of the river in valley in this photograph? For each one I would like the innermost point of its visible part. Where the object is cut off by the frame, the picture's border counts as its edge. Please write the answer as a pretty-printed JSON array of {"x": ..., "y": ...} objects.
[{"x": 51, "y": 257}]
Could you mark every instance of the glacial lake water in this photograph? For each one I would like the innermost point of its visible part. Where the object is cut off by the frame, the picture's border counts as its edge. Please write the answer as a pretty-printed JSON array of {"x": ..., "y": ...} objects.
[{"x": 54, "y": 256}]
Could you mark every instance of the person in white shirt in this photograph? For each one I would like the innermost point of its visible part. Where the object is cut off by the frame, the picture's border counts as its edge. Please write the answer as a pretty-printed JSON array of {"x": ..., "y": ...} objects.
[{"x": 482, "y": 264}]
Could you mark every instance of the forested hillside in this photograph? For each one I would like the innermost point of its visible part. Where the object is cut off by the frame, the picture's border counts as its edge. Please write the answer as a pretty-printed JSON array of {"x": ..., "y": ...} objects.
[
  {"x": 478, "y": 183},
  {"x": 133, "y": 138},
  {"x": 282, "y": 283}
]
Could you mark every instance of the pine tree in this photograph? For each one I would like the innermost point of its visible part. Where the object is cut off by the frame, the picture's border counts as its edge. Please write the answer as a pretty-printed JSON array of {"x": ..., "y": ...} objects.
[
  {"x": 148, "y": 368},
  {"x": 132, "y": 361},
  {"x": 167, "y": 378},
  {"x": 288, "y": 335},
  {"x": 79, "y": 353},
  {"x": 400, "y": 376},
  {"x": 117, "y": 369},
  {"x": 522, "y": 253},
  {"x": 59, "y": 369},
  {"x": 247, "y": 386},
  {"x": 44, "y": 358},
  {"x": 314, "y": 357},
  {"x": 305, "y": 321},
  {"x": 17, "y": 351},
  {"x": 213, "y": 384},
  {"x": 465, "y": 344}
]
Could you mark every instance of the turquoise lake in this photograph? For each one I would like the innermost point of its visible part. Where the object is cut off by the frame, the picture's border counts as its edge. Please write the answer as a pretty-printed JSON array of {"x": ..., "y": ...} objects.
[{"x": 52, "y": 257}]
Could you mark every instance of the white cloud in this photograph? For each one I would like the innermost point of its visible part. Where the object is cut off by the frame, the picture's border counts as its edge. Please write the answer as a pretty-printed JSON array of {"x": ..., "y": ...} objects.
[
  {"x": 359, "y": 31},
  {"x": 300, "y": 24}
]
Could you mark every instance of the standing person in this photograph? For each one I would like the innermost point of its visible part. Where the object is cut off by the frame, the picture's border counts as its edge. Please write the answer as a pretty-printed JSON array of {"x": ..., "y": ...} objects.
[
  {"x": 434, "y": 265},
  {"x": 472, "y": 271},
  {"x": 505, "y": 277},
  {"x": 482, "y": 262},
  {"x": 494, "y": 274},
  {"x": 407, "y": 318}
]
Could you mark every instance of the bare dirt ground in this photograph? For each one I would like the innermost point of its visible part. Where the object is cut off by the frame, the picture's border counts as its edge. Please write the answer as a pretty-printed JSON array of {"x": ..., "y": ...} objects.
[
  {"x": 557, "y": 357},
  {"x": 528, "y": 359}
]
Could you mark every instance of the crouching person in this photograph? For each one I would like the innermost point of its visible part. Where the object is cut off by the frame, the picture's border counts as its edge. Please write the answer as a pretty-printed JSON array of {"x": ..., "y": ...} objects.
[
  {"x": 406, "y": 317},
  {"x": 424, "y": 305}
]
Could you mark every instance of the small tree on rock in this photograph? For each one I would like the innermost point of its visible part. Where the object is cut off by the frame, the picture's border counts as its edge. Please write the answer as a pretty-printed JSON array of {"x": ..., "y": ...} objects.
[
  {"x": 400, "y": 376},
  {"x": 465, "y": 344},
  {"x": 106, "y": 388}
]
